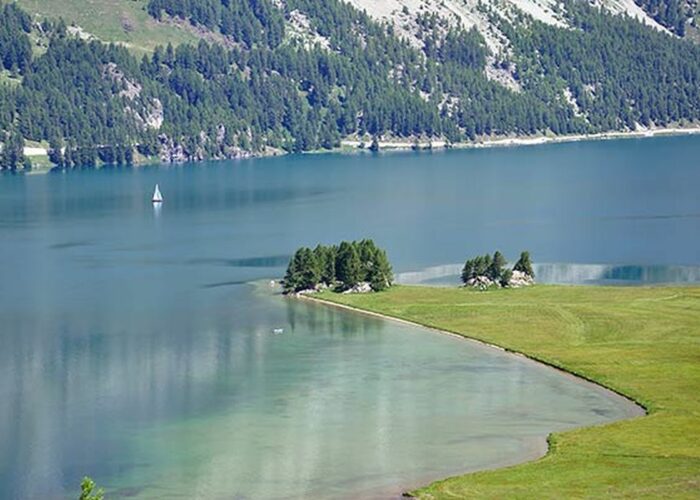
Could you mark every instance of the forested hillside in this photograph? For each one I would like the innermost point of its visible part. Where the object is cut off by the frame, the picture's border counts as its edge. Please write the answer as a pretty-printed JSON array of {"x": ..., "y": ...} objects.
[{"x": 303, "y": 74}]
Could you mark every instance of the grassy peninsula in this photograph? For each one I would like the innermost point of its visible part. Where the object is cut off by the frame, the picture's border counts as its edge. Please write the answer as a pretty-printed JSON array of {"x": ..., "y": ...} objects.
[{"x": 642, "y": 342}]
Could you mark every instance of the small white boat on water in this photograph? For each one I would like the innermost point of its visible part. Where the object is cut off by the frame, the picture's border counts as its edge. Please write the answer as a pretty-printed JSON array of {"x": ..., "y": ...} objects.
[
  {"x": 157, "y": 197},
  {"x": 278, "y": 331}
]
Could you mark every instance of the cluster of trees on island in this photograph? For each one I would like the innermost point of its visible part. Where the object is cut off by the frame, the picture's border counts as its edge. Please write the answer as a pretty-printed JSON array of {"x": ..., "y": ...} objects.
[
  {"x": 344, "y": 267},
  {"x": 484, "y": 271},
  {"x": 98, "y": 103}
]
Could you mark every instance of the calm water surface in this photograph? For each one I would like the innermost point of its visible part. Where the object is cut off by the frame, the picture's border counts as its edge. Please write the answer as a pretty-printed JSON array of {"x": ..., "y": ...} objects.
[{"x": 133, "y": 349}]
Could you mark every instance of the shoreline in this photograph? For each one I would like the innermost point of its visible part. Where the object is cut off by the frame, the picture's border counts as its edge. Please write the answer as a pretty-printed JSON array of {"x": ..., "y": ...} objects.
[
  {"x": 544, "y": 445},
  {"x": 536, "y": 140},
  {"x": 353, "y": 145},
  {"x": 560, "y": 369}
]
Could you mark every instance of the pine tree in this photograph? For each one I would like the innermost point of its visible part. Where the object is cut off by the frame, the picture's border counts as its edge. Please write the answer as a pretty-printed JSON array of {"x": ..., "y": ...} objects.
[
  {"x": 56, "y": 152},
  {"x": 495, "y": 269},
  {"x": 292, "y": 278},
  {"x": 366, "y": 251},
  {"x": 325, "y": 258},
  {"x": 381, "y": 275},
  {"x": 348, "y": 265},
  {"x": 12, "y": 154},
  {"x": 310, "y": 273},
  {"x": 468, "y": 270},
  {"x": 524, "y": 265},
  {"x": 506, "y": 275}
]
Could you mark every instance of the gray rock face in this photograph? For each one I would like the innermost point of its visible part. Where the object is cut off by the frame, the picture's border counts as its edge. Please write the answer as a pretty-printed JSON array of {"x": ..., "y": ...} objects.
[
  {"x": 519, "y": 279},
  {"x": 362, "y": 287},
  {"x": 174, "y": 150},
  {"x": 481, "y": 282}
]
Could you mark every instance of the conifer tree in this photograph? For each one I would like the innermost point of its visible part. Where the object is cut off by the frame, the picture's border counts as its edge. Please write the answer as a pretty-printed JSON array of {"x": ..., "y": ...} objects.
[
  {"x": 310, "y": 272},
  {"x": 380, "y": 275},
  {"x": 348, "y": 265},
  {"x": 55, "y": 152},
  {"x": 524, "y": 265},
  {"x": 495, "y": 269},
  {"x": 12, "y": 154},
  {"x": 292, "y": 278}
]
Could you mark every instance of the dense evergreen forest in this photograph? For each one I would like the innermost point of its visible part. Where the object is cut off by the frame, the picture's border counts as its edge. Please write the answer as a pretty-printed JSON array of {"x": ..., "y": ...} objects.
[{"x": 260, "y": 87}]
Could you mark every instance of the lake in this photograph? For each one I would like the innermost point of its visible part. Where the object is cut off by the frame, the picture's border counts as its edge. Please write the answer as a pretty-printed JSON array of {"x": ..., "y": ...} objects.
[{"x": 137, "y": 344}]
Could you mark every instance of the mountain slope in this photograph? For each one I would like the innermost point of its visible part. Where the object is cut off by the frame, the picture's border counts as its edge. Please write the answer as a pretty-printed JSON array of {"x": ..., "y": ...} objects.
[
  {"x": 471, "y": 13},
  {"x": 127, "y": 21},
  {"x": 304, "y": 74}
]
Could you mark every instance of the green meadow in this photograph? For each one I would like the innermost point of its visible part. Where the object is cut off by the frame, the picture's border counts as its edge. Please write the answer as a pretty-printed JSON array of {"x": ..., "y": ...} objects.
[
  {"x": 125, "y": 22},
  {"x": 641, "y": 342}
]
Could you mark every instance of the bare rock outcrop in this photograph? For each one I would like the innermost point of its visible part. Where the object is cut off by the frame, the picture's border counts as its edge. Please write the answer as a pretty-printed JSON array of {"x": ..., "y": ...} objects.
[{"x": 519, "y": 279}]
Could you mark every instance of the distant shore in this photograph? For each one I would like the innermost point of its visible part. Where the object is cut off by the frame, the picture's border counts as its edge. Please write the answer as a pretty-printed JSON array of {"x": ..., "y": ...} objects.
[
  {"x": 525, "y": 140},
  {"x": 33, "y": 152}
]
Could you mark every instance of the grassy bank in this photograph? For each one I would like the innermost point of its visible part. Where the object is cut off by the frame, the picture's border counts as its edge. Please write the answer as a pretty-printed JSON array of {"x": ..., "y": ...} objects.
[{"x": 641, "y": 342}]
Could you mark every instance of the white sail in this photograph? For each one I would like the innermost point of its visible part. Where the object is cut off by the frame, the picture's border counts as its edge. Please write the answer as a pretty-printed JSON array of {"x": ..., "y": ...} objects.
[{"x": 157, "y": 197}]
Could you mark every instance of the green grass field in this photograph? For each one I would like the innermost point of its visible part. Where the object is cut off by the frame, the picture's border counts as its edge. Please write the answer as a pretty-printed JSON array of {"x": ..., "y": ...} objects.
[
  {"x": 642, "y": 342},
  {"x": 123, "y": 21}
]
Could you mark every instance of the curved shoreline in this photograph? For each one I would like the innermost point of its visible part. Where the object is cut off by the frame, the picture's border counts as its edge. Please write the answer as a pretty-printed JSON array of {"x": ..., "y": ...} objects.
[
  {"x": 561, "y": 369},
  {"x": 545, "y": 450}
]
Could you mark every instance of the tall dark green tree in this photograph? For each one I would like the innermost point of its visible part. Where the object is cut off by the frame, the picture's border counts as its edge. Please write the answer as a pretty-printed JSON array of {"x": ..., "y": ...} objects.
[
  {"x": 380, "y": 275},
  {"x": 12, "y": 154},
  {"x": 292, "y": 278},
  {"x": 55, "y": 152},
  {"x": 325, "y": 258},
  {"x": 348, "y": 266},
  {"x": 524, "y": 265},
  {"x": 495, "y": 269},
  {"x": 303, "y": 272}
]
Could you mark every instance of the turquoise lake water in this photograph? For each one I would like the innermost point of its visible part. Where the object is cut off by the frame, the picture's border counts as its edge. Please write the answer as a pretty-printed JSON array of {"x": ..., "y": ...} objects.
[{"x": 134, "y": 349}]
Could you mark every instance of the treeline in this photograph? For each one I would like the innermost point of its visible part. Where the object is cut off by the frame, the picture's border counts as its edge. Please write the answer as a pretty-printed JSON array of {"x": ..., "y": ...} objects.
[
  {"x": 486, "y": 270},
  {"x": 251, "y": 22},
  {"x": 340, "y": 267},
  {"x": 97, "y": 103}
]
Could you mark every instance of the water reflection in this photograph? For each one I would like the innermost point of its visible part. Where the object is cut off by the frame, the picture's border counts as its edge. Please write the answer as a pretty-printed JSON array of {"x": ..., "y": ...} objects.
[
  {"x": 207, "y": 398},
  {"x": 264, "y": 261}
]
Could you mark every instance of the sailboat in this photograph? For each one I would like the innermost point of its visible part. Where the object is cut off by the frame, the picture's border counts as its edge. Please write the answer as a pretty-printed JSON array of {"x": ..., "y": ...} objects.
[{"x": 157, "y": 197}]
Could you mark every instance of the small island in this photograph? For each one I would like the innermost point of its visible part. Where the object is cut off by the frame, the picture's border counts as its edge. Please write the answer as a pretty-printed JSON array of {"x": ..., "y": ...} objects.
[
  {"x": 486, "y": 271},
  {"x": 350, "y": 267}
]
